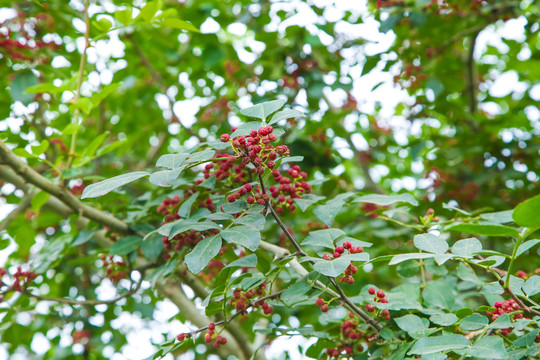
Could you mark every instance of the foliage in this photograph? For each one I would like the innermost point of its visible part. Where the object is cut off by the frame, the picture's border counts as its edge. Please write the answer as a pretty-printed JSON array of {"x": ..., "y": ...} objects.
[{"x": 284, "y": 205}]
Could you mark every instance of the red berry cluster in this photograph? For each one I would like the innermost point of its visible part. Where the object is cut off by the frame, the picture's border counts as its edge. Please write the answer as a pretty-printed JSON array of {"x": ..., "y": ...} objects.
[
  {"x": 256, "y": 149},
  {"x": 211, "y": 336},
  {"x": 320, "y": 302},
  {"x": 19, "y": 43},
  {"x": 350, "y": 336},
  {"x": 214, "y": 267},
  {"x": 242, "y": 299},
  {"x": 116, "y": 269},
  {"x": 21, "y": 279},
  {"x": 340, "y": 250},
  {"x": 351, "y": 270},
  {"x": 505, "y": 307},
  {"x": 380, "y": 296},
  {"x": 168, "y": 208}
]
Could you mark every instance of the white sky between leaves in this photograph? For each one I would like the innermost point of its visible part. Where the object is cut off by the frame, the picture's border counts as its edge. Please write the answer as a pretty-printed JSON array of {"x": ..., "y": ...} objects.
[{"x": 138, "y": 332}]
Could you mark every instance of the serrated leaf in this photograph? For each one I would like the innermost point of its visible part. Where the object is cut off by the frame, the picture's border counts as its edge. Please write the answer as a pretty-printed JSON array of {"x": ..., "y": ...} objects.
[
  {"x": 202, "y": 253},
  {"x": 430, "y": 243},
  {"x": 286, "y": 114},
  {"x": 467, "y": 247},
  {"x": 385, "y": 200},
  {"x": 526, "y": 213},
  {"x": 242, "y": 235},
  {"x": 485, "y": 229},
  {"x": 323, "y": 238},
  {"x": 106, "y": 186},
  {"x": 436, "y": 344},
  {"x": 263, "y": 110}
]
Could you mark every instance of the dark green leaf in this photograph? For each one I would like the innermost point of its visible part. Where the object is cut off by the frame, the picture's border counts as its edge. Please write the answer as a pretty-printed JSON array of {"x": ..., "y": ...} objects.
[
  {"x": 242, "y": 235},
  {"x": 526, "y": 213},
  {"x": 125, "y": 245},
  {"x": 485, "y": 229},
  {"x": 203, "y": 252}
]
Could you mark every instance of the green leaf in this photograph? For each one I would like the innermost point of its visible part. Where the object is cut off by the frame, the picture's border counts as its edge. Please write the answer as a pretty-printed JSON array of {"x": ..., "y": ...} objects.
[
  {"x": 150, "y": 9},
  {"x": 125, "y": 245},
  {"x": 295, "y": 293},
  {"x": 70, "y": 129},
  {"x": 307, "y": 200},
  {"x": 411, "y": 256},
  {"x": 41, "y": 148},
  {"x": 430, "y": 243},
  {"x": 502, "y": 322},
  {"x": 385, "y": 200},
  {"x": 125, "y": 15},
  {"x": 20, "y": 83},
  {"x": 526, "y": 213},
  {"x": 413, "y": 325},
  {"x": 39, "y": 199},
  {"x": 464, "y": 312},
  {"x": 177, "y": 24},
  {"x": 474, "y": 322},
  {"x": 245, "y": 128},
  {"x": 438, "y": 294},
  {"x": 532, "y": 286},
  {"x": 242, "y": 235},
  {"x": 200, "y": 156},
  {"x": 527, "y": 339},
  {"x": 151, "y": 246},
  {"x": 180, "y": 226},
  {"x": 467, "y": 247},
  {"x": 327, "y": 212},
  {"x": 106, "y": 186},
  {"x": 485, "y": 229},
  {"x": 172, "y": 161},
  {"x": 263, "y": 110},
  {"x": 489, "y": 347},
  {"x": 246, "y": 261},
  {"x": 333, "y": 267},
  {"x": 255, "y": 221},
  {"x": 501, "y": 217},
  {"x": 202, "y": 253},
  {"x": 445, "y": 319},
  {"x": 83, "y": 237},
  {"x": 286, "y": 114},
  {"x": 185, "y": 209},
  {"x": 526, "y": 246},
  {"x": 161, "y": 178},
  {"x": 323, "y": 238},
  {"x": 435, "y": 344}
]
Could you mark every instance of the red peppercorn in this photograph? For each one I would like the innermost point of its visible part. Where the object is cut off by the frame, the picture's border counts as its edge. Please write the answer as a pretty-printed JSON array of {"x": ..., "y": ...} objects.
[
  {"x": 372, "y": 291},
  {"x": 225, "y": 137},
  {"x": 324, "y": 308}
]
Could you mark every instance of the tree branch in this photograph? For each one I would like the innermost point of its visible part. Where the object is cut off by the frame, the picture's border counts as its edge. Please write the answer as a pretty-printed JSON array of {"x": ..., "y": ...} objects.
[
  {"x": 471, "y": 74},
  {"x": 77, "y": 206}
]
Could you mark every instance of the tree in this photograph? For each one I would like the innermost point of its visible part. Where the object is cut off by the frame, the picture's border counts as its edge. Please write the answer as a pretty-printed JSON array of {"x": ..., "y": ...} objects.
[{"x": 221, "y": 156}]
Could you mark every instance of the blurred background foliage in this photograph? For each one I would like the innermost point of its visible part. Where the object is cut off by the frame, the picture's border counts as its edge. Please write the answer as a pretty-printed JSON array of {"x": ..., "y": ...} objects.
[{"x": 435, "y": 98}]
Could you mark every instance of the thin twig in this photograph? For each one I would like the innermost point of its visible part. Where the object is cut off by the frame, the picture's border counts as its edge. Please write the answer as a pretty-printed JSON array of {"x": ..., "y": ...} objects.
[
  {"x": 518, "y": 300},
  {"x": 299, "y": 252},
  {"x": 82, "y": 62},
  {"x": 238, "y": 313},
  {"x": 471, "y": 74}
]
